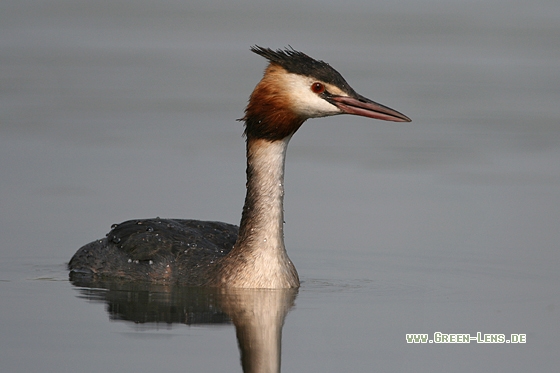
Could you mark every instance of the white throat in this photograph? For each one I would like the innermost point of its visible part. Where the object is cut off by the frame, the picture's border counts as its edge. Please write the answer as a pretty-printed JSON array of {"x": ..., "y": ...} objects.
[
  {"x": 265, "y": 192},
  {"x": 259, "y": 258}
]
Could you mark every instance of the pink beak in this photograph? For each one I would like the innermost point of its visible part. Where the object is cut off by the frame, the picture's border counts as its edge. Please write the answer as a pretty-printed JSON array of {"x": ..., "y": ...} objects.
[{"x": 366, "y": 108}]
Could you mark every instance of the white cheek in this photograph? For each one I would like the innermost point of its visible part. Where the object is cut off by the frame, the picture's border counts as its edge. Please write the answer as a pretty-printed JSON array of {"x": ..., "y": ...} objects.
[{"x": 304, "y": 101}]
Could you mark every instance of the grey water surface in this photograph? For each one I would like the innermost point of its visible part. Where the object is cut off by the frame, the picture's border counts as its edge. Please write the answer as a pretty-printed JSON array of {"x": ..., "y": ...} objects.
[{"x": 112, "y": 110}]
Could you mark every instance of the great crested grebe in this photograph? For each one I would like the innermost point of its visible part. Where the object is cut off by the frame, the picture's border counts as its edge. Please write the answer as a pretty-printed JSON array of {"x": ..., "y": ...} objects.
[{"x": 294, "y": 88}]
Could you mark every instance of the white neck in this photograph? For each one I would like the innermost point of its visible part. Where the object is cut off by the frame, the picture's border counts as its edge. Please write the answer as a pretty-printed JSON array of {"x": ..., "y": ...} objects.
[
  {"x": 263, "y": 213},
  {"x": 259, "y": 258}
]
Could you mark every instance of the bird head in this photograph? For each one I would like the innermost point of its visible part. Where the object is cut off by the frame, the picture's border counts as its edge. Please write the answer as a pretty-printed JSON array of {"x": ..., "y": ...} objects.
[{"x": 296, "y": 87}]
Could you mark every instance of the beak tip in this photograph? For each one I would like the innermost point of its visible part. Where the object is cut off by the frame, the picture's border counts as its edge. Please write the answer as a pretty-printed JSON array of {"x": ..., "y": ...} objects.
[{"x": 365, "y": 107}]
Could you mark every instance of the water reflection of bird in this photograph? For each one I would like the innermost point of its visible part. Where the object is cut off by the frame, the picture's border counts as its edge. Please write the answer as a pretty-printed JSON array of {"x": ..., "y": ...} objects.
[{"x": 294, "y": 88}]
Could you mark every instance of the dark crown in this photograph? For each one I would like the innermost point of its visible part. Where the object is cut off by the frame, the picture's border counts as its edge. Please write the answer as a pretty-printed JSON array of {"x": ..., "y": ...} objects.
[{"x": 300, "y": 63}]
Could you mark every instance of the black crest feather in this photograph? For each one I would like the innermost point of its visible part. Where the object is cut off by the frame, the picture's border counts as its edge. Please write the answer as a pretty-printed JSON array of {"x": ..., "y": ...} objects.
[{"x": 300, "y": 63}]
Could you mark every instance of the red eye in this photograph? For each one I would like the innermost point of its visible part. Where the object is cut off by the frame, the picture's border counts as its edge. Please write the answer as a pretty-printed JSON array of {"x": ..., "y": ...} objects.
[{"x": 318, "y": 87}]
